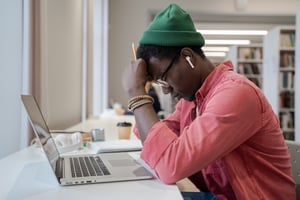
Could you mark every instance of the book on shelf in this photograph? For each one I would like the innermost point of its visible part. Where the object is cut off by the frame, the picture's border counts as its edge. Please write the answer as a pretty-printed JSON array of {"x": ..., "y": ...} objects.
[
  {"x": 256, "y": 68},
  {"x": 286, "y": 99},
  {"x": 257, "y": 52},
  {"x": 287, "y": 40},
  {"x": 286, "y": 119},
  {"x": 249, "y": 68},
  {"x": 256, "y": 81},
  {"x": 287, "y": 125},
  {"x": 241, "y": 69},
  {"x": 250, "y": 53},
  {"x": 287, "y": 59},
  {"x": 286, "y": 80}
]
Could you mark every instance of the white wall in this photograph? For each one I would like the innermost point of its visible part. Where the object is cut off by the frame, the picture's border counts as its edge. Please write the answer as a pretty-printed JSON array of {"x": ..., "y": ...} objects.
[{"x": 10, "y": 75}]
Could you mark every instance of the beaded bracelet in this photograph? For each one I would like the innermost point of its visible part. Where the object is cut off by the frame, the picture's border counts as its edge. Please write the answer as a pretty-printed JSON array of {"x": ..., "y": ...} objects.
[
  {"x": 139, "y": 97},
  {"x": 138, "y": 101},
  {"x": 132, "y": 107}
]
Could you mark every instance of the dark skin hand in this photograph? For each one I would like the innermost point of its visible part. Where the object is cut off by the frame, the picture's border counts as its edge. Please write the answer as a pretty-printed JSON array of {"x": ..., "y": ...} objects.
[{"x": 134, "y": 81}]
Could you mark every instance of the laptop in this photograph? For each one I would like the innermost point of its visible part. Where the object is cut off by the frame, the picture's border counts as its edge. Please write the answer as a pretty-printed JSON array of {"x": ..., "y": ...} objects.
[{"x": 82, "y": 169}]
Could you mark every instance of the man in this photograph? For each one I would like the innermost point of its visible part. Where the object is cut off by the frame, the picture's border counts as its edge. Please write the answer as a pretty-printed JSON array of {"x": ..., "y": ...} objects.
[{"x": 223, "y": 134}]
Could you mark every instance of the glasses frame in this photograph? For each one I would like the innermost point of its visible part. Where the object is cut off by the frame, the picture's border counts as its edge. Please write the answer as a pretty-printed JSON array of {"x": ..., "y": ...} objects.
[{"x": 162, "y": 80}]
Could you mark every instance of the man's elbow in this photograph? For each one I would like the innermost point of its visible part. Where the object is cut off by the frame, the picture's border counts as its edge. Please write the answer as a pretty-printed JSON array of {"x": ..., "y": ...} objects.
[{"x": 169, "y": 178}]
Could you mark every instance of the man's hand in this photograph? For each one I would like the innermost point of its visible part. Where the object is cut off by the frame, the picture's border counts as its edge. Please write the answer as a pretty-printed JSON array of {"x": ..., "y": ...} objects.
[{"x": 135, "y": 77}]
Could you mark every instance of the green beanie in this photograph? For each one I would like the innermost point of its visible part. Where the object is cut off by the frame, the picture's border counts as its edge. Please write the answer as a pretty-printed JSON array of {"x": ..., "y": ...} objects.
[{"x": 172, "y": 27}]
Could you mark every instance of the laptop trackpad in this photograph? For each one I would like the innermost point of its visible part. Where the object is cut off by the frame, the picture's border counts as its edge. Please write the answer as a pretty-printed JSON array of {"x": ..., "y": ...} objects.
[{"x": 139, "y": 171}]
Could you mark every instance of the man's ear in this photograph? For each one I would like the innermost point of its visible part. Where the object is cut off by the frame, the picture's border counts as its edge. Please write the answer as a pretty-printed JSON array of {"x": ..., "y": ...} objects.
[{"x": 188, "y": 53}]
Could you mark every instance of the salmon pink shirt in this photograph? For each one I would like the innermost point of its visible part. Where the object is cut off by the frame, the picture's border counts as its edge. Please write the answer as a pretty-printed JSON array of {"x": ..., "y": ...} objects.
[{"x": 228, "y": 141}]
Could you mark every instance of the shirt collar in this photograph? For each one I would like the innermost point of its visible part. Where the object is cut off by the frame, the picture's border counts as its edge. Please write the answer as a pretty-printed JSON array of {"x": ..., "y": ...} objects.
[{"x": 212, "y": 79}]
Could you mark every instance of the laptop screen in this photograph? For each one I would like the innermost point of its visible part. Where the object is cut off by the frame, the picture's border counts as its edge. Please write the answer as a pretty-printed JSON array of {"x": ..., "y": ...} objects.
[{"x": 41, "y": 129}]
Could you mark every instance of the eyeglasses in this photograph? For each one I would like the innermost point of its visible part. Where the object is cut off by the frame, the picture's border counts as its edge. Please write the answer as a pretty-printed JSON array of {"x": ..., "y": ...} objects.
[{"x": 162, "y": 80}]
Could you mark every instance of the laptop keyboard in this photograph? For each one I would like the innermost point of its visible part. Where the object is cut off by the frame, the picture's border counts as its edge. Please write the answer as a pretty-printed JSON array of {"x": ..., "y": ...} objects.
[{"x": 88, "y": 166}]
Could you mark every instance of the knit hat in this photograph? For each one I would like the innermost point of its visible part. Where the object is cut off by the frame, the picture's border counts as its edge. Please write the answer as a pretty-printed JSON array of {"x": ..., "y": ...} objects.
[{"x": 172, "y": 27}]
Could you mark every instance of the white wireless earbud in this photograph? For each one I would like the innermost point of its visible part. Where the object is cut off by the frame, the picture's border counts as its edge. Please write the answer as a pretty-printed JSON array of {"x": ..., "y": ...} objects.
[{"x": 188, "y": 59}]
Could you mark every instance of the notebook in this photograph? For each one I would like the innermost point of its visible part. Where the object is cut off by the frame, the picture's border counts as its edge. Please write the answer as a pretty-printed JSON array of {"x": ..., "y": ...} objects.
[
  {"x": 82, "y": 169},
  {"x": 115, "y": 146}
]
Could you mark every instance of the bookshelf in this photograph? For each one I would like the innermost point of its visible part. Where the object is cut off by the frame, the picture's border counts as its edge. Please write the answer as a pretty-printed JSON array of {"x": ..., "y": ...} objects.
[
  {"x": 247, "y": 60},
  {"x": 297, "y": 78},
  {"x": 279, "y": 76}
]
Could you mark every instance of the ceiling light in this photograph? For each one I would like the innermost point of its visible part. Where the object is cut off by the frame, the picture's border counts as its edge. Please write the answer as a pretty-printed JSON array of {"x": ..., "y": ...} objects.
[
  {"x": 215, "y": 48},
  {"x": 215, "y": 54},
  {"x": 233, "y": 32},
  {"x": 228, "y": 42}
]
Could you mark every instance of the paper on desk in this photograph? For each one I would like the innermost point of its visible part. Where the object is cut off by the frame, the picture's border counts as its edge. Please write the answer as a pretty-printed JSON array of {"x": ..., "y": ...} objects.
[{"x": 115, "y": 146}]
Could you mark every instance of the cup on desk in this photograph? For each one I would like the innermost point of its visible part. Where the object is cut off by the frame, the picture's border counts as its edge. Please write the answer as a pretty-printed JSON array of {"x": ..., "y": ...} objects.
[
  {"x": 124, "y": 130},
  {"x": 98, "y": 134}
]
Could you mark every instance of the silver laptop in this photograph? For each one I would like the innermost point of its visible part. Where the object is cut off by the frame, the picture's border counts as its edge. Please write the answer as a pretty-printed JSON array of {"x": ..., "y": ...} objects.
[{"x": 82, "y": 169}]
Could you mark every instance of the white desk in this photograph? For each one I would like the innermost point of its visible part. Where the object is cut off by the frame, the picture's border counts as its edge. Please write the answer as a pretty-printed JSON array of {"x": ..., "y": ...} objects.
[
  {"x": 108, "y": 121},
  {"x": 27, "y": 175}
]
